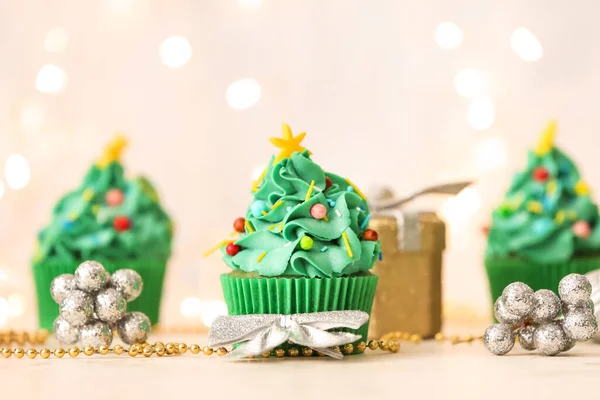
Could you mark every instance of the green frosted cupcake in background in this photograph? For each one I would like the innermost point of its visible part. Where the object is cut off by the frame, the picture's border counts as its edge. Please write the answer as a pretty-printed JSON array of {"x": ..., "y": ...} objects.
[
  {"x": 304, "y": 245},
  {"x": 546, "y": 227},
  {"x": 110, "y": 219}
]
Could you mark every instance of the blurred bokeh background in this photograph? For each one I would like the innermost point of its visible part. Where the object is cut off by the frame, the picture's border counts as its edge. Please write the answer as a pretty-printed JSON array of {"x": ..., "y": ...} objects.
[{"x": 396, "y": 93}]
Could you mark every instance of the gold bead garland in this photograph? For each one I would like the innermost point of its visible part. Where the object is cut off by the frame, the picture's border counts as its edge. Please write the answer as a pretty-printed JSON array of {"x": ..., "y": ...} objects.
[{"x": 160, "y": 349}]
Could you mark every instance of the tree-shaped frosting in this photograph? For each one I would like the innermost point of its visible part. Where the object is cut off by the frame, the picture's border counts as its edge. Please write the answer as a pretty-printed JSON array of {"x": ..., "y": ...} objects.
[
  {"x": 107, "y": 218},
  {"x": 548, "y": 214},
  {"x": 303, "y": 221}
]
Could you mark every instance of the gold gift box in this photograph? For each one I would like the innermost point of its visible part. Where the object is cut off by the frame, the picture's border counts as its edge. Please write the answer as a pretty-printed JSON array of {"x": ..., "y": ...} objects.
[{"x": 409, "y": 292}]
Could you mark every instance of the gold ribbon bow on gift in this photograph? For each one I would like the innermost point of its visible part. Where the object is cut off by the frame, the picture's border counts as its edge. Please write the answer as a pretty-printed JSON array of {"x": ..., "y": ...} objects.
[{"x": 264, "y": 332}]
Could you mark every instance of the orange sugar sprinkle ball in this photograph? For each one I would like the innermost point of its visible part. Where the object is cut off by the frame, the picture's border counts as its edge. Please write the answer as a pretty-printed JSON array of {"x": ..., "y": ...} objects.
[
  {"x": 370, "y": 235},
  {"x": 239, "y": 225},
  {"x": 114, "y": 197}
]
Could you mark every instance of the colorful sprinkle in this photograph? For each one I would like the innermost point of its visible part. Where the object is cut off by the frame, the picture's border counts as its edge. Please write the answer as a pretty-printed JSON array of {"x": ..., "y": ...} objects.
[
  {"x": 280, "y": 202},
  {"x": 272, "y": 226},
  {"x": 306, "y": 243},
  {"x": 347, "y": 244},
  {"x": 281, "y": 226},
  {"x": 324, "y": 249},
  {"x": 289, "y": 208},
  {"x": 365, "y": 222},
  {"x": 257, "y": 208},
  {"x": 232, "y": 249},
  {"x": 325, "y": 219},
  {"x": 582, "y": 189},
  {"x": 560, "y": 216},
  {"x": 357, "y": 190},
  {"x": 68, "y": 225},
  {"x": 535, "y": 207},
  {"x": 248, "y": 227},
  {"x": 350, "y": 189},
  {"x": 287, "y": 244},
  {"x": 310, "y": 189},
  {"x": 551, "y": 188},
  {"x": 88, "y": 194},
  {"x": 95, "y": 209},
  {"x": 221, "y": 244},
  {"x": 264, "y": 213},
  {"x": 232, "y": 234},
  {"x": 73, "y": 216},
  {"x": 338, "y": 213},
  {"x": 572, "y": 215},
  {"x": 262, "y": 255},
  {"x": 380, "y": 256}
]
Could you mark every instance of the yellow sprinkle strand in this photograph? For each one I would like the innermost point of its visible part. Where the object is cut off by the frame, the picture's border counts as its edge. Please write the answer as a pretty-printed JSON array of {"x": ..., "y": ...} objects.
[
  {"x": 248, "y": 226},
  {"x": 263, "y": 254},
  {"x": 272, "y": 226},
  {"x": 280, "y": 202},
  {"x": 572, "y": 215},
  {"x": 325, "y": 219},
  {"x": 560, "y": 217},
  {"x": 535, "y": 207},
  {"x": 357, "y": 190},
  {"x": 264, "y": 212},
  {"x": 113, "y": 151},
  {"x": 281, "y": 227},
  {"x": 310, "y": 189},
  {"x": 95, "y": 209},
  {"x": 551, "y": 187},
  {"x": 217, "y": 247},
  {"x": 232, "y": 234},
  {"x": 256, "y": 183},
  {"x": 88, "y": 194},
  {"x": 347, "y": 243},
  {"x": 546, "y": 142},
  {"x": 581, "y": 188}
]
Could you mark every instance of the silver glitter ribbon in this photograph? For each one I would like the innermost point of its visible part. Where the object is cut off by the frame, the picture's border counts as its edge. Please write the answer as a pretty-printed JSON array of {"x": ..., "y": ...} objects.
[{"x": 264, "y": 332}]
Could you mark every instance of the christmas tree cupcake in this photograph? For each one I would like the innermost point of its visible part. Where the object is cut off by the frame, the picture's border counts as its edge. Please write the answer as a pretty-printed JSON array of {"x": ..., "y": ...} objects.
[
  {"x": 547, "y": 226},
  {"x": 110, "y": 219},
  {"x": 304, "y": 245}
]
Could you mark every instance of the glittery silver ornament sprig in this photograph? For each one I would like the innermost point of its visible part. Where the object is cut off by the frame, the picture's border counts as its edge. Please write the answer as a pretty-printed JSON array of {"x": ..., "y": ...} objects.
[
  {"x": 533, "y": 317},
  {"x": 92, "y": 303}
]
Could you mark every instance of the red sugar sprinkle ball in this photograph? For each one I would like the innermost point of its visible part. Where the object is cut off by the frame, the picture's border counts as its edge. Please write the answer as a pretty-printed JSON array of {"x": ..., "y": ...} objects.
[
  {"x": 232, "y": 249},
  {"x": 121, "y": 223},
  {"x": 370, "y": 235},
  {"x": 540, "y": 174},
  {"x": 328, "y": 182},
  {"x": 239, "y": 224}
]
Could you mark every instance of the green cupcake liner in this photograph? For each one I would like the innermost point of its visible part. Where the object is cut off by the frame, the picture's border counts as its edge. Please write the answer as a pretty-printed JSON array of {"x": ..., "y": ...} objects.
[
  {"x": 504, "y": 271},
  {"x": 293, "y": 295},
  {"x": 152, "y": 272}
]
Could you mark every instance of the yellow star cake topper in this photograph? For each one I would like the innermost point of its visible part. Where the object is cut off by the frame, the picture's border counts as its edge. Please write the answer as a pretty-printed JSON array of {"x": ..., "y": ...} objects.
[
  {"x": 113, "y": 151},
  {"x": 289, "y": 144},
  {"x": 546, "y": 142}
]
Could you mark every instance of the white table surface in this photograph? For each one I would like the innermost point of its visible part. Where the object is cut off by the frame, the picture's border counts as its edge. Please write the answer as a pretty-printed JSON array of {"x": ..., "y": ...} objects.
[{"x": 429, "y": 370}]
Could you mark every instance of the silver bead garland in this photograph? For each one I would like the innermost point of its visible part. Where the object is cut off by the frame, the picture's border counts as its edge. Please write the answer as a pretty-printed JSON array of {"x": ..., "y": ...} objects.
[
  {"x": 543, "y": 331},
  {"x": 92, "y": 305}
]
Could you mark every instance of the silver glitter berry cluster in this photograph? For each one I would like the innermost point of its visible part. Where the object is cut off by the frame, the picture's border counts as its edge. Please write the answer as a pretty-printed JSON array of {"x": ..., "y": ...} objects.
[
  {"x": 534, "y": 317},
  {"x": 93, "y": 304}
]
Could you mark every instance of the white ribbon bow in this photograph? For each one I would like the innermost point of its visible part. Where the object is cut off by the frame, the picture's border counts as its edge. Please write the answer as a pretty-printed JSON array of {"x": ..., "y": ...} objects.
[{"x": 264, "y": 332}]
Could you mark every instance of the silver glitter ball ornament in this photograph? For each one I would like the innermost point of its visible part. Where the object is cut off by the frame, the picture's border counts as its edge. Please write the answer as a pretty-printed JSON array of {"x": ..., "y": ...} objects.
[
  {"x": 91, "y": 276},
  {"x": 504, "y": 316},
  {"x": 77, "y": 308},
  {"x": 575, "y": 289},
  {"x": 568, "y": 345},
  {"x": 594, "y": 278},
  {"x": 587, "y": 307},
  {"x": 550, "y": 339},
  {"x": 518, "y": 298},
  {"x": 110, "y": 305},
  {"x": 499, "y": 339},
  {"x": 580, "y": 325},
  {"x": 546, "y": 306},
  {"x": 65, "y": 332},
  {"x": 134, "y": 328},
  {"x": 128, "y": 282},
  {"x": 61, "y": 285},
  {"x": 525, "y": 335},
  {"x": 95, "y": 334}
]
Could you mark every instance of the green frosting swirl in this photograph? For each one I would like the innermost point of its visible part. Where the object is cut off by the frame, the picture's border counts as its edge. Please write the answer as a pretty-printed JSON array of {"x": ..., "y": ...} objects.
[
  {"x": 82, "y": 228},
  {"x": 536, "y": 219},
  {"x": 278, "y": 233}
]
